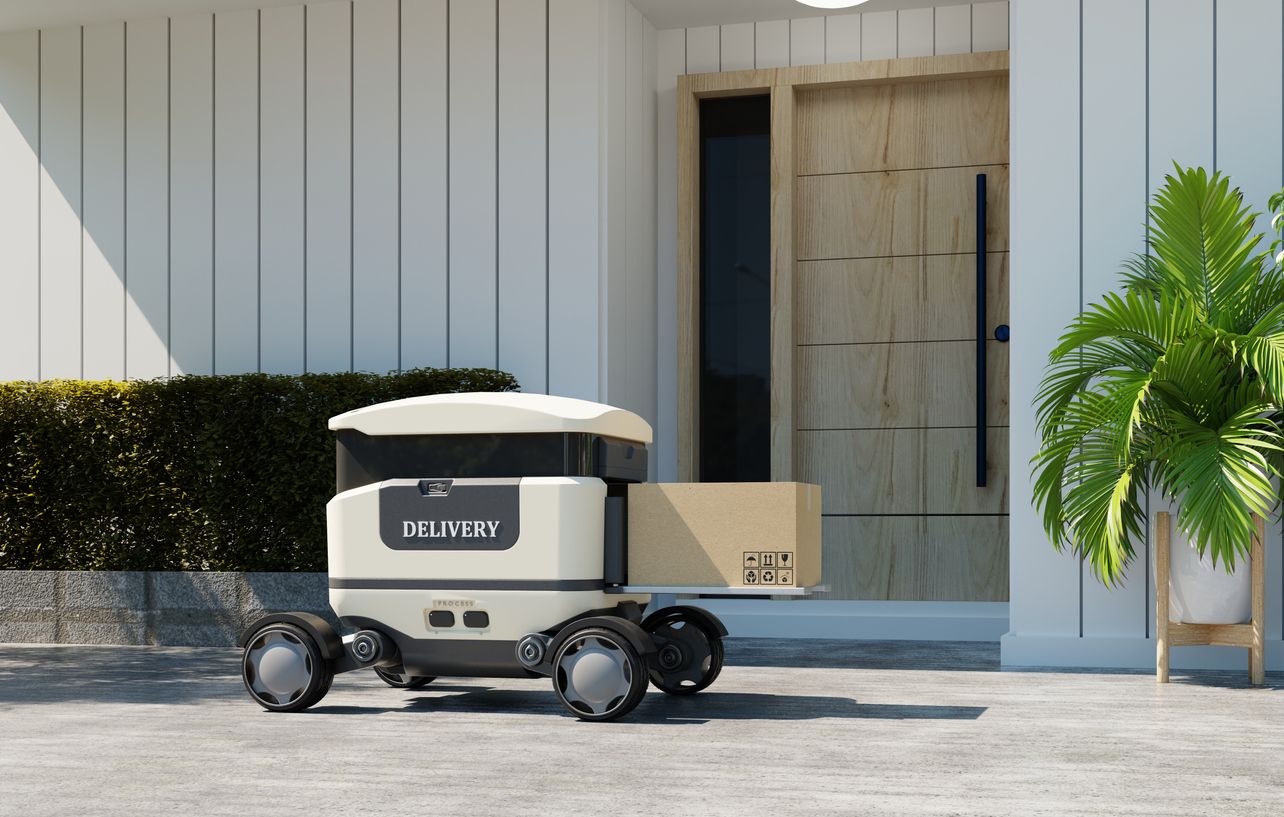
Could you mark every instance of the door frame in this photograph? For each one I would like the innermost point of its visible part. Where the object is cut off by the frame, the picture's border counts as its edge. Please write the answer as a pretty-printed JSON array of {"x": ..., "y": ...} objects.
[{"x": 780, "y": 84}]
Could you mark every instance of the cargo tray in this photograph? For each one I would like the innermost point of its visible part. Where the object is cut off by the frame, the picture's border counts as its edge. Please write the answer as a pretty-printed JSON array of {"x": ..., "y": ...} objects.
[{"x": 761, "y": 590}]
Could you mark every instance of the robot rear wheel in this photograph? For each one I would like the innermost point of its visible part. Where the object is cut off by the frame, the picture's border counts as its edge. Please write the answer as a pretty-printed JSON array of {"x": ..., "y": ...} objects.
[
  {"x": 398, "y": 678},
  {"x": 689, "y": 654}
]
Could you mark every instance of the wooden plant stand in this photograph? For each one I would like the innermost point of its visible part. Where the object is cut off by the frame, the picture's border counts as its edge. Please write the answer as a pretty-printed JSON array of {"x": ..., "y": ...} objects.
[{"x": 1169, "y": 634}]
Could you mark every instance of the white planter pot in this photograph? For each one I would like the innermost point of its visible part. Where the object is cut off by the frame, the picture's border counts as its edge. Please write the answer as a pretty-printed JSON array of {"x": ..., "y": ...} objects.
[{"x": 1202, "y": 594}]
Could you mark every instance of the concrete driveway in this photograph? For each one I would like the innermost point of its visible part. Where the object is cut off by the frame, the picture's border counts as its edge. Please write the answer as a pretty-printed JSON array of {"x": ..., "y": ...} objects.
[{"x": 801, "y": 727}]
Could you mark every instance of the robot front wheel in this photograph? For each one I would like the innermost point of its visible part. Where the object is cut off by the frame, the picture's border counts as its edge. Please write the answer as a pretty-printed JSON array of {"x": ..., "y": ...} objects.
[{"x": 283, "y": 668}]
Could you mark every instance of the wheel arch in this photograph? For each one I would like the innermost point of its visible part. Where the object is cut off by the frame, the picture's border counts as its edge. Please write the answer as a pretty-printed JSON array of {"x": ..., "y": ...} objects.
[
  {"x": 698, "y": 614},
  {"x": 631, "y": 632},
  {"x": 329, "y": 642}
]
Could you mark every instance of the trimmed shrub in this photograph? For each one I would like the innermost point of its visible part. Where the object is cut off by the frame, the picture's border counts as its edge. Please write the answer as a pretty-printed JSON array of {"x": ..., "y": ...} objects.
[{"x": 190, "y": 473}]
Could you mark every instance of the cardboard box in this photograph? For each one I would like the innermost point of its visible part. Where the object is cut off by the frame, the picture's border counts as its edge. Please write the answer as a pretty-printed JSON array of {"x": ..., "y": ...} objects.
[{"x": 724, "y": 534}]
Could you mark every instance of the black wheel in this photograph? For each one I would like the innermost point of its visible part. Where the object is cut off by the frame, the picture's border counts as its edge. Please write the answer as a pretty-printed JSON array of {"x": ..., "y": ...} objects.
[
  {"x": 284, "y": 670},
  {"x": 398, "y": 678},
  {"x": 597, "y": 675},
  {"x": 688, "y": 655}
]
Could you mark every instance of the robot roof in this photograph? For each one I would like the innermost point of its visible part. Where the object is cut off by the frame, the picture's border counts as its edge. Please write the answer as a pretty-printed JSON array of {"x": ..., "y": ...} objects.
[{"x": 494, "y": 413}]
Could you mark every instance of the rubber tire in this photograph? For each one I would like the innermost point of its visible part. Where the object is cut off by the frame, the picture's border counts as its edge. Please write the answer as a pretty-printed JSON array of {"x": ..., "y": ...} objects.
[
  {"x": 715, "y": 649},
  {"x": 318, "y": 684},
  {"x": 415, "y": 682},
  {"x": 637, "y": 686}
]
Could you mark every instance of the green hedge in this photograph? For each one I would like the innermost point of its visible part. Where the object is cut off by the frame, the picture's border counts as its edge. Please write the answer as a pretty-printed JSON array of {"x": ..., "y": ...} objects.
[{"x": 190, "y": 473}]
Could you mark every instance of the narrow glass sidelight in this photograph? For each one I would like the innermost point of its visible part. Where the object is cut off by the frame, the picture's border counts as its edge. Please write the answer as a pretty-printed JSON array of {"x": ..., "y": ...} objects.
[{"x": 735, "y": 290}]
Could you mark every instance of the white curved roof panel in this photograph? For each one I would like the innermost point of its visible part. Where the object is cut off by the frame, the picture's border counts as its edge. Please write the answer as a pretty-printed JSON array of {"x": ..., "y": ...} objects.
[{"x": 494, "y": 413}]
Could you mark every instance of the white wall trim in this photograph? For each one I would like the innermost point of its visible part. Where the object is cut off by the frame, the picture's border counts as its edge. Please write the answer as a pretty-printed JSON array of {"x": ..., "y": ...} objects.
[
  {"x": 860, "y": 620},
  {"x": 1124, "y": 653}
]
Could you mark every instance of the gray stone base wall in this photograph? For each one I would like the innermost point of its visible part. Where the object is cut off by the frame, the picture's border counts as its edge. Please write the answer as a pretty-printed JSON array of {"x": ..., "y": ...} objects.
[{"x": 161, "y": 608}]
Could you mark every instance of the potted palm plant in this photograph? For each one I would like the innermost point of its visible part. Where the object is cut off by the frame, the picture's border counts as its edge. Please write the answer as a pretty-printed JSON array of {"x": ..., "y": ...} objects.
[{"x": 1173, "y": 385}]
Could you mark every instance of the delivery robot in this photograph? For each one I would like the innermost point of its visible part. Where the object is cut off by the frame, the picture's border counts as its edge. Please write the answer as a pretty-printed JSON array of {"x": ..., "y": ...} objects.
[{"x": 484, "y": 535}]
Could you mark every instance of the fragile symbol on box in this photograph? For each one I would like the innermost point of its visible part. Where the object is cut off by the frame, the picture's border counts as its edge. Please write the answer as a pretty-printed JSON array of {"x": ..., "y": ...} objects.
[{"x": 784, "y": 559}]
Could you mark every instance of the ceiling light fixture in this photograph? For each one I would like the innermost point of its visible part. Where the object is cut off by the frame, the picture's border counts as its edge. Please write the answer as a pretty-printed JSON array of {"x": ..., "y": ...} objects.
[{"x": 831, "y": 4}]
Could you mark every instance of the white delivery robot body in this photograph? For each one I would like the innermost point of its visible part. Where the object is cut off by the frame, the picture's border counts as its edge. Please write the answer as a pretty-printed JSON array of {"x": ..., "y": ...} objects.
[{"x": 484, "y": 535}]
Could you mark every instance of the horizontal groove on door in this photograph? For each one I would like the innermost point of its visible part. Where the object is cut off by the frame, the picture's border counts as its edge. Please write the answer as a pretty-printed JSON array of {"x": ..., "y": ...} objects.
[
  {"x": 900, "y": 471},
  {"x": 916, "y": 558},
  {"x": 898, "y": 428},
  {"x": 895, "y": 300},
  {"x": 944, "y": 123},
  {"x": 888, "y": 214},
  {"x": 887, "y": 385},
  {"x": 899, "y": 169}
]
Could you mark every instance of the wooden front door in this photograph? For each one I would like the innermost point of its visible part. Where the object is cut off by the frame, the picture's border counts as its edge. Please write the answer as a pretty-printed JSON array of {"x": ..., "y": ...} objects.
[{"x": 885, "y": 330}]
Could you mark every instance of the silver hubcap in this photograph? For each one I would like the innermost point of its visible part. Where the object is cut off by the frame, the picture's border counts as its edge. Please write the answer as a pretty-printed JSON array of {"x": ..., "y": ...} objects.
[
  {"x": 278, "y": 667},
  {"x": 594, "y": 675}
]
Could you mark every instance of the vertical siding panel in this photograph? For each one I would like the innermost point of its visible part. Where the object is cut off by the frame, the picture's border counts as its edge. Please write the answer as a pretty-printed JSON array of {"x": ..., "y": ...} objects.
[
  {"x": 842, "y": 38},
  {"x": 878, "y": 35},
  {"x": 670, "y": 62},
  {"x": 645, "y": 314},
  {"x": 634, "y": 276},
  {"x": 60, "y": 191},
  {"x": 191, "y": 216},
  {"x": 613, "y": 376},
  {"x": 574, "y": 77},
  {"x": 915, "y": 29},
  {"x": 281, "y": 191},
  {"x": 328, "y": 305},
  {"x": 640, "y": 275},
  {"x": 523, "y": 278},
  {"x": 375, "y": 310},
  {"x": 424, "y": 216},
  {"x": 1248, "y": 149},
  {"x": 1045, "y": 286},
  {"x": 236, "y": 195},
  {"x": 147, "y": 204},
  {"x": 1114, "y": 197},
  {"x": 953, "y": 30},
  {"x": 1181, "y": 87},
  {"x": 990, "y": 26},
  {"x": 807, "y": 41},
  {"x": 19, "y": 212},
  {"x": 737, "y": 47},
  {"x": 472, "y": 183},
  {"x": 104, "y": 217},
  {"x": 703, "y": 46},
  {"x": 771, "y": 44}
]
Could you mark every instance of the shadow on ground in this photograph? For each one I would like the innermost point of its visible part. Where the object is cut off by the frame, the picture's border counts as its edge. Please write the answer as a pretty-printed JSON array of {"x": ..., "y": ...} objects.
[
  {"x": 659, "y": 708},
  {"x": 958, "y": 656}
]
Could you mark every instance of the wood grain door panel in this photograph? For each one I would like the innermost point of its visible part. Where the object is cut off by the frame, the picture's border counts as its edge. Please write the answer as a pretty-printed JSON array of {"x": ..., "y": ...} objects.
[
  {"x": 916, "y": 558},
  {"x": 903, "y": 212},
  {"x": 898, "y": 385},
  {"x": 914, "y": 125},
  {"x": 905, "y": 471},
  {"x": 913, "y": 298}
]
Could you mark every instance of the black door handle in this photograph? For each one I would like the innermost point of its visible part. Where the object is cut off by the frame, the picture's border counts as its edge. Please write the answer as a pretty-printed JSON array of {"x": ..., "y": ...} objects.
[{"x": 980, "y": 331}]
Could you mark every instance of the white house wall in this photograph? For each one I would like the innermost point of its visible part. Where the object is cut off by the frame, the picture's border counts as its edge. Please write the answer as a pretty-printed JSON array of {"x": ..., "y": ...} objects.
[
  {"x": 368, "y": 185},
  {"x": 1106, "y": 94},
  {"x": 804, "y": 41}
]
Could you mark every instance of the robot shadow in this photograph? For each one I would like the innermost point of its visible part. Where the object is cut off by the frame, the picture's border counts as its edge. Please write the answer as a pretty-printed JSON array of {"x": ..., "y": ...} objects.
[{"x": 658, "y": 708}]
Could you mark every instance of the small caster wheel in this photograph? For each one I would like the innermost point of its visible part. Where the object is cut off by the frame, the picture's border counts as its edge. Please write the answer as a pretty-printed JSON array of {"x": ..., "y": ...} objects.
[
  {"x": 598, "y": 675},
  {"x": 284, "y": 670},
  {"x": 398, "y": 678},
  {"x": 688, "y": 656}
]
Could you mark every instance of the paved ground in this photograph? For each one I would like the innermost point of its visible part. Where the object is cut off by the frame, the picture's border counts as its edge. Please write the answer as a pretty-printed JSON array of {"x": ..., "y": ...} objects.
[{"x": 804, "y": 727}]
